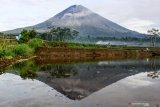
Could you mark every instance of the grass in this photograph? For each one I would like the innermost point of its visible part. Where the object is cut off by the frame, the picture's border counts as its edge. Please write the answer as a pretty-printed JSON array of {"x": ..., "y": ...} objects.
[
  {"x": 5, "y": 53},
  {"x": 11, "y": 49},
  {"x": 22, "y": 49},
  {"x": 76, "y": 45},
  {"x": 98, "y": 46},
  {"x": 16, "y": 50},
  {"x": 35, "y": 43}
]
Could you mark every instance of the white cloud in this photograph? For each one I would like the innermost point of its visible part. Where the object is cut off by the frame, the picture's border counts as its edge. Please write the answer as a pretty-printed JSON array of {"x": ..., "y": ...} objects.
[
  {"x": 137, "y": 81},
  {"x": 138, "y": 25}
]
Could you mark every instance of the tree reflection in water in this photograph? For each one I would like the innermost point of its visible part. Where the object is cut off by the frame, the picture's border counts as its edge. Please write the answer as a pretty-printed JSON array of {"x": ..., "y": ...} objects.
[
  {"x": 27, "y": 69},
  {"x": 155, "y": 71},
  {"x": 60, "y": 70},
  {"x": 2, "y": 71}
]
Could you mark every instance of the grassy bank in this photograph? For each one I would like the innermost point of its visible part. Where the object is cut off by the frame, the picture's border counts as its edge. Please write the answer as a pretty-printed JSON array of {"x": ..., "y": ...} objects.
[
  {"x": 97, "y": 46},
  {"x": 11, "y": 52}
]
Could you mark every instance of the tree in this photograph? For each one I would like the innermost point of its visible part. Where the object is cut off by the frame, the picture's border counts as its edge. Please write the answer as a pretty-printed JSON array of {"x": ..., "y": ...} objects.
[
  {"x": 154, "y": 34},
  {"x": 75, "y": 33},
  {"x": 26, "y": 35},
  {"x": 32, "y": 33},
  {"x": 61, "y": 34}
]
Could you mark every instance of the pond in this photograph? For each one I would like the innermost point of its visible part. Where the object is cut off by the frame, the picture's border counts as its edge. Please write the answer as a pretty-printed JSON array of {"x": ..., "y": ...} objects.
[{"x": 112, "y": 83}]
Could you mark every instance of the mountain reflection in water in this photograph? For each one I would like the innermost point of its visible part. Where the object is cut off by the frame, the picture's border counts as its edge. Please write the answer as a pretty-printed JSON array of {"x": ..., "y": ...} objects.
[{"x": 79, "y": 80}]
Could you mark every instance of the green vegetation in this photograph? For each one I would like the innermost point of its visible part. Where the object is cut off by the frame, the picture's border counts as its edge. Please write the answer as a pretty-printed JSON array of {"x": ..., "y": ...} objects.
[
  {"x": 35, "y": 43},
  {"x": 27, "y": 35},
  {"x": 15, "y": 50},
  {"x": 22, "y": 49},
  {"x": 60, "y": 34},
  {"x": 6, "y": 44},
  {"x": 6, "y": 53},
  {"x": 29, "y": 41},
  {"x": 77, "y": 45},
  {"x": 27, "y": 69},
  {"x": 73, "y": 45}
]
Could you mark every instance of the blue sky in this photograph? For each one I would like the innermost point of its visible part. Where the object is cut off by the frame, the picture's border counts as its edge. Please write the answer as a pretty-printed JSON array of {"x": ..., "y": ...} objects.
[{"x": 138, "y": 15}]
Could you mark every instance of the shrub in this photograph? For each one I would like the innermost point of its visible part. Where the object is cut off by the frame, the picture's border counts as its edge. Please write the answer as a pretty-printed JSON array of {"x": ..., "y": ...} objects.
[
  {"x": 5, "y": 53},
  {"x": 35, "y": 43},
  {"x": 2, "y": 53},
  {"x": 8, "y": 52},
  {"x": 22, "y": 49}
]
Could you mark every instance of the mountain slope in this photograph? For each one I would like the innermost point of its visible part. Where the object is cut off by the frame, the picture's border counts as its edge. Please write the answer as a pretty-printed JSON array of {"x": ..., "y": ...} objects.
[{"x": 83, "y": 20}]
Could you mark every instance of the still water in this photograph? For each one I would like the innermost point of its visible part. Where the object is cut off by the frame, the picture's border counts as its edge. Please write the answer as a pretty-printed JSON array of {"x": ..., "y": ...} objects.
[{"x": 117, "y": 83}]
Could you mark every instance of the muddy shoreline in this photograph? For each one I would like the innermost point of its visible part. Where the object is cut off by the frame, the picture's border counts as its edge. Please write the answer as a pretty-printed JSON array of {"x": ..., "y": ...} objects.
[
  {"x": 6, "y": 62},
  {"x": 75, "y": 53}
]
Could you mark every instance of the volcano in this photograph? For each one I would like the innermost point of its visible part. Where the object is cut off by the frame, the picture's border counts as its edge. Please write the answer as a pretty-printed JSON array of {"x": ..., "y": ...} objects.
[{"x": 85, "y": 21}]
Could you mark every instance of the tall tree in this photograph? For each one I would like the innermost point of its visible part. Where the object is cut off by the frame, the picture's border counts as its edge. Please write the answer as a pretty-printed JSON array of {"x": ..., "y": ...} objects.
[
  {"x": 75, "y": 33},
  {"x": 32, "y": 33},
  {"x": 61, "y": 34},
  {"x": 24, "y": 36},
  {"x": 154, "y": 34}
]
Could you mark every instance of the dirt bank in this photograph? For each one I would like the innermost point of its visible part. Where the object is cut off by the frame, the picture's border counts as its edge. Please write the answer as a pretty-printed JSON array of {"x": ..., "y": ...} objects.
[{"x": 75, "y": 54}]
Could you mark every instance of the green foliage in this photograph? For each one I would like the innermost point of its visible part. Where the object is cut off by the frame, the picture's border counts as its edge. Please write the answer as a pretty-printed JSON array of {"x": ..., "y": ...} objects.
[
  {"x": 10, "y": 49},
  {"x": 22, "y": 49},
  {"x": 5, "y": 53},
  {"x": 61, "y": 34},
  {"x": 27, "y": 69},
  {"x": 78, "y": 45},
  {"x": 35, "y": 43},
  {"x": 26, "y": 35},
  {"x": 8, "y": 53},
  {"x": 2, "y": 53},
  {"x": 32, "y": 34}
]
